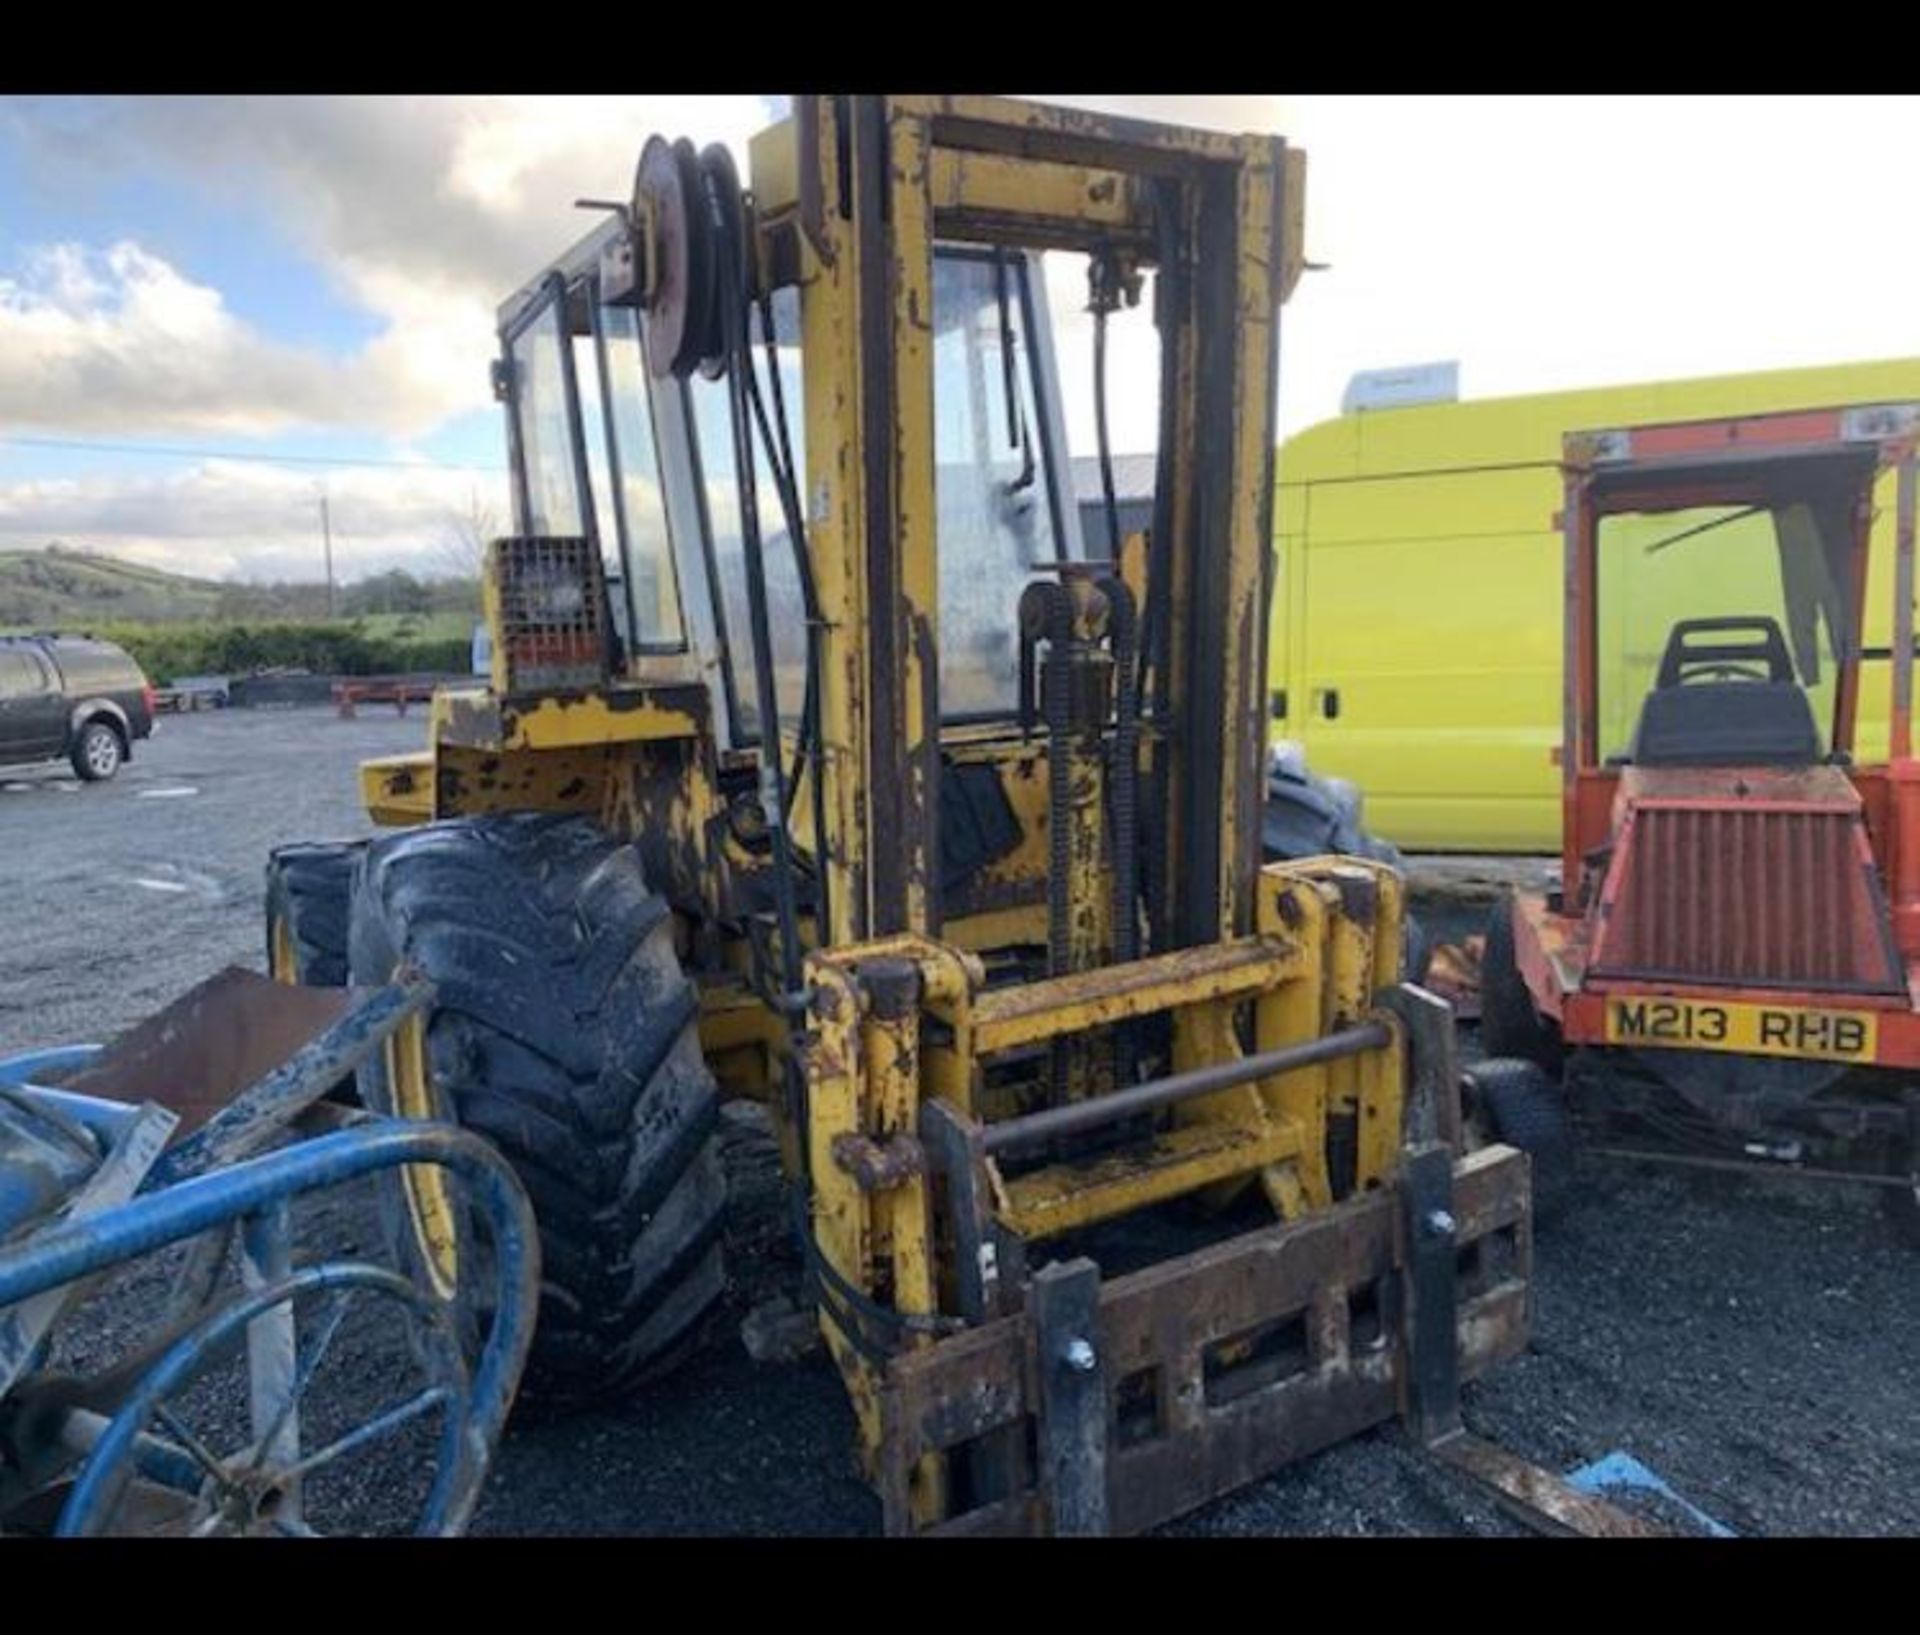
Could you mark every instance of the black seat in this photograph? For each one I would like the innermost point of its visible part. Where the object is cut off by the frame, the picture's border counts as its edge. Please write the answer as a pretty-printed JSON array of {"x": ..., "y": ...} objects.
[{"x": 1726, "y": 723}]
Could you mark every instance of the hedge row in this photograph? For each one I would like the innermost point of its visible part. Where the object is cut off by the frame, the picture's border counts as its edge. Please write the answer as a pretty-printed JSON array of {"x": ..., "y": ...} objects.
[{"x": 340, "y": 649}]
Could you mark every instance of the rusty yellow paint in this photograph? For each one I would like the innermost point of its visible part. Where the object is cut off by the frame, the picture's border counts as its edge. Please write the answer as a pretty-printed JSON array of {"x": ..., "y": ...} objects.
[
  {"x": 1030, "y": 1013},
  {"x": 397, "y": 790},
  {"x": 627, "y": 713},
  {"x": 915, "y": 511},
  {"x": 467, "y": 781},
  {"x": 973, "y": 193},
  {"x": 426, "y": 1187},
  {"x": 1003, "y": 122},
  {"x": 1379, "y": 1100},
  {"x": 1062, "y": 1198},
  {"x": 835, "y": 502},
  {"x": 1293, "y": 907},
  {"x": 839, "y": 1222},
  {"x": 1293, "y": 215},
  {"x": 282, "y": 963}
]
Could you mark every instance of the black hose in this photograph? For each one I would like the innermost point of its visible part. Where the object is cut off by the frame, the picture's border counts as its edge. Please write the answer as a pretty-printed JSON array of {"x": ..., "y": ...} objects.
[
  {"x": 1102, "y": 442},
  {"x": 853, "y": 1309},
  {"x": 727, "y": 207},
  {"x": 1123, "y": 796},
  {"x": 786, "y": 480}
]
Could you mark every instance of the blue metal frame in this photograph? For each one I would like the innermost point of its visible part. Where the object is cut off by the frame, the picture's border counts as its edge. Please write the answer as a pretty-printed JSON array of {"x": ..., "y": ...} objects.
[{"x": 260, "y": 1187}]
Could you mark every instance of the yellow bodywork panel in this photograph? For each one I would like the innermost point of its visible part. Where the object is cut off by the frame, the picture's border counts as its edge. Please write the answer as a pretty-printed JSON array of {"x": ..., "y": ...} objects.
[
  {"x": 479, "y": 719},
  {"x": 397, "y": 790},
  {"x": 472, "y": 780}
]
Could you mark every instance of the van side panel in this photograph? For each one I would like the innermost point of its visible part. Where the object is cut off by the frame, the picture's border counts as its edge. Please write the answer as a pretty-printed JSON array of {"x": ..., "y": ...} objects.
[{"x": 1422, "y": 681}]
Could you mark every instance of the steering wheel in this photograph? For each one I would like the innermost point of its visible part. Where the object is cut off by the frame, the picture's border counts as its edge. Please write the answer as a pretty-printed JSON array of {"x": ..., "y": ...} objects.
[{"x": 1722, "y": 670}]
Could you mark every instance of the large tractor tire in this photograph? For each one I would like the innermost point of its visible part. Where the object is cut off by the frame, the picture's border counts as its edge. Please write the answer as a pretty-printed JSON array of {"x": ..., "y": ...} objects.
[
  {"x": 1307, "y": 815},
  {"x": 1509, "y": 1024},
  {"x": 309, "y": 890},
  {"x": 563, "y": 1030}
]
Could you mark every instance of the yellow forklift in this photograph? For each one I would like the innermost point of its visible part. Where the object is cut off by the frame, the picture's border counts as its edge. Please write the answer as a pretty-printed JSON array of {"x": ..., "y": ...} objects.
[{"x": 1124, "y": 1168}]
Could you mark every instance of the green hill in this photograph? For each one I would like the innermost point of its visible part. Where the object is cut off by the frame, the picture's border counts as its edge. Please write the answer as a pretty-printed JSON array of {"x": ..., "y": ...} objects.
[
  {"x": 65, "y": 589},
  {"x": 69, "y": 589}
]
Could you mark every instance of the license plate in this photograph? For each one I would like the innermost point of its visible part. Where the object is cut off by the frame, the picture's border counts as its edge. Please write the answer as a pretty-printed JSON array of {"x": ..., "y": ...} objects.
[{"x": 1758, "y": 1030}]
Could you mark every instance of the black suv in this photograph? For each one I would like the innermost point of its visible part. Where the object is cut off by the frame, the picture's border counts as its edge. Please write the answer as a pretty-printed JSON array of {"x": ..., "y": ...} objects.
[{"x": 72, "y": 697}]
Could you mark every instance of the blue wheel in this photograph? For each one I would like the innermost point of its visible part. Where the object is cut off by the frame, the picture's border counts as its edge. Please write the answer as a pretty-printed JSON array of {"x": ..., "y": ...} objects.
[{"x": 221, "y": 1438}]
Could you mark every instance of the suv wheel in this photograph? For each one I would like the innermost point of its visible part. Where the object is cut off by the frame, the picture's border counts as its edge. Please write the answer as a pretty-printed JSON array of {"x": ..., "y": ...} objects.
[{"x": 97, "y": 752}]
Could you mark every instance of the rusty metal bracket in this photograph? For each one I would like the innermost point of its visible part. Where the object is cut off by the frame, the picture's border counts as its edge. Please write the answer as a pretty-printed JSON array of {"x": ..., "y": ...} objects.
[
  {"x": 1428, "y": 1268},
  {"x": 1433, "y": 1095},
  {"x": 1200, "y": 1427},
  {"x": 954, "y": 1143},
  {"x": 878, "y": 1165},
  {"x": 1063, "y": 1303}
]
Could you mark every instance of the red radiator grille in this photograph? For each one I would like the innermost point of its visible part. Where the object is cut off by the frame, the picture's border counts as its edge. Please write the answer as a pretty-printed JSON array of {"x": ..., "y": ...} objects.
[{"x": 1754, "y": 895}]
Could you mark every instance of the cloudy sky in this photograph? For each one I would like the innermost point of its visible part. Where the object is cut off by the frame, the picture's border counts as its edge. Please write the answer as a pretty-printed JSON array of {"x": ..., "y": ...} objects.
[{"x": 213, "y": 309}]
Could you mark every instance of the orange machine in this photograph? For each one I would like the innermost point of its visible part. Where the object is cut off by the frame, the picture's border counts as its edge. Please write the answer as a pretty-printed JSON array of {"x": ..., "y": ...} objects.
[{"x": 1732, "y": 955}]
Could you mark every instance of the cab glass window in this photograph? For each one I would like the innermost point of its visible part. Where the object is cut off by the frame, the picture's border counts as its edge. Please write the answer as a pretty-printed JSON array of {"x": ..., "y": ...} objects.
[
  {"x": 18, "y": 675},
  {"x": 546, "y": 447},
  {"x": 1783, "y": 562},
  {"x": 711, "y": 409},
  {"x": 653, "y": 593},
  {"x": 993, "y": 488}
]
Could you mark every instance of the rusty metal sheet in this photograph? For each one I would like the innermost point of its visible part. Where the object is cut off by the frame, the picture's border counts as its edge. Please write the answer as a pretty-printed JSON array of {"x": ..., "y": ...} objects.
[
  {"x": 1537, "y": 1497},
  {"x": 211, "y": 1043}
]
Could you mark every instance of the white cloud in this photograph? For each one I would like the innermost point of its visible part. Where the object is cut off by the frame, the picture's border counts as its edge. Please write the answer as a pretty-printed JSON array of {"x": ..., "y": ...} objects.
[
  {"x": 119, "y": 341},
  {"x": 423, "y": 211},
  {"x": 234, "y": 519},
  {"x": 1543, "y": 242}
]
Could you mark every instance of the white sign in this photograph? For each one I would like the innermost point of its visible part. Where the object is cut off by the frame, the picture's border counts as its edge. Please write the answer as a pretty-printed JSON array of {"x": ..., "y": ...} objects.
[{"x": 1403, "y": 387}]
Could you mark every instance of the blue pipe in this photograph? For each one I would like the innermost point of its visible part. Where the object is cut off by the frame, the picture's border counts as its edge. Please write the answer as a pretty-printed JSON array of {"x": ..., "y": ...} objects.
[
  {"x": 80, "y": 1248},
  {"x": 23, "y": 1066}
]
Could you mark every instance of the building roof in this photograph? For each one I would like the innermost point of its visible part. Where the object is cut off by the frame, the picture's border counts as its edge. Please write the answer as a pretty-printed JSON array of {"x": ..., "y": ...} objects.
[{"x": 1132, "y": 478}]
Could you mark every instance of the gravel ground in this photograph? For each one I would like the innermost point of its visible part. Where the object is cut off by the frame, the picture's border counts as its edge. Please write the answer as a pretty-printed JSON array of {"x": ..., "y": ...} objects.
[{"x": 1758, "y": 1345}]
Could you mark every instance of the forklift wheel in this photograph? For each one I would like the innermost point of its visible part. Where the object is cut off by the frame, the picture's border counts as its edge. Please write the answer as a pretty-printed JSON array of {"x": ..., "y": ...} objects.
[
  {"x": 308, "y": 887},
  {"x": 565, "y": 1032}
]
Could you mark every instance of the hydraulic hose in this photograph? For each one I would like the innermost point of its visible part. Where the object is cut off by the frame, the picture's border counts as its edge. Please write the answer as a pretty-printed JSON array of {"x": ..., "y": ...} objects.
[{"x": 854, "y": 1312}]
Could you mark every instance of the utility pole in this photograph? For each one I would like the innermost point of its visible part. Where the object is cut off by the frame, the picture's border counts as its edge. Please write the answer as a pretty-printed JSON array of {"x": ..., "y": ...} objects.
[{"x": 326, "y": 536}]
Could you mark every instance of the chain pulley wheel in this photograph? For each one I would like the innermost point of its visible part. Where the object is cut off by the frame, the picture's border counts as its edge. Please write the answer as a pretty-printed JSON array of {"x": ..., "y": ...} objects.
[{"x": 669, "y": 195}]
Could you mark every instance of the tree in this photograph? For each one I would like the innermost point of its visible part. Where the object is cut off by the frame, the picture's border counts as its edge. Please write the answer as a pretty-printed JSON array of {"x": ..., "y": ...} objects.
[{"x": 464, "y": 537}]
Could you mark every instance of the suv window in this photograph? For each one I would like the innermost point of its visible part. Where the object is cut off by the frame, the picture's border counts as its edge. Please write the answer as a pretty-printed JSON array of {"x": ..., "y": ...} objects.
[{"x": 22, "y": 673}]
